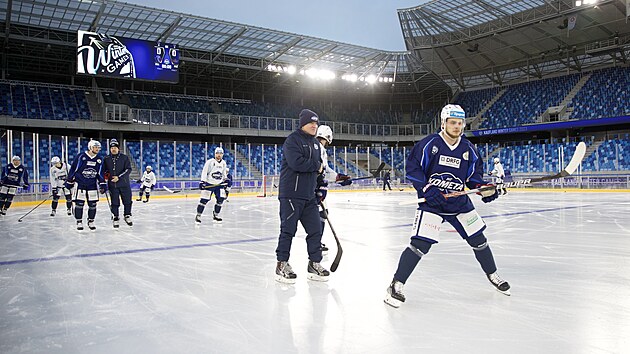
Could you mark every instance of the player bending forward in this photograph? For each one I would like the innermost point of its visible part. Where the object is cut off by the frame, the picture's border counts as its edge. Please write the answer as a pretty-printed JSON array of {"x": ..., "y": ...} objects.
[
  {"x": 12, "y": 175},
  {"x": 442, "y": 163},
  {"x": 213, "y": 181},
  {"x": 148, "y": 181},
  {"x": 58, "y": 176}
]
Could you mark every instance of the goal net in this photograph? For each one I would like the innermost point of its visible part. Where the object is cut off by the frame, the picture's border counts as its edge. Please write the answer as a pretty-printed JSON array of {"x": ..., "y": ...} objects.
[{"x": 269, "y": 186}]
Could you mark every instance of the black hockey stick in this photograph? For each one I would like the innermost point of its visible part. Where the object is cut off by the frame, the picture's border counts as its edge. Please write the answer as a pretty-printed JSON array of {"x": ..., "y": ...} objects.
[
  {"x": 335, "y": 263},
  {"x": 578, "y": 155},
  {"x": 375, "y": 174},
  {"x": 37, "y": 206}
]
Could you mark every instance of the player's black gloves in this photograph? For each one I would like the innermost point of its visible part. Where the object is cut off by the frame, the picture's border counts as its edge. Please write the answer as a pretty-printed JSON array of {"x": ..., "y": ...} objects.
[
  {"x": 434, "y": 198},
  {"x": 489, "y": 194}
]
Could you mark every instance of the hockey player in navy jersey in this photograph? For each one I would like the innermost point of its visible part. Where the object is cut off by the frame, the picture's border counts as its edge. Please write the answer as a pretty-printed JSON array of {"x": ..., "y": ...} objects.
[
  {"x": 87, "y": 173},
  {"x": 58, "y": 176},
  {"x": 13, "y": 175},
  {"x": 213, "y": 181},
  {"x": 442, "y": 163}
]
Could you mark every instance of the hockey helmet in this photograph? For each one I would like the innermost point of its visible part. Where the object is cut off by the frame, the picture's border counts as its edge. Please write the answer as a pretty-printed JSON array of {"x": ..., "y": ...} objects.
[
  {"x": 496, "y": 160},
  {"x": 16, "y": 158},
  {"x": 55, "y": 160},
  {"x": 324, "y": 131},
  {"x": 218, "y": 150},
  {"x": 149, "y": 168},
  {"x": 94, "y": 143},
  {"x": 452, "y": 111}
]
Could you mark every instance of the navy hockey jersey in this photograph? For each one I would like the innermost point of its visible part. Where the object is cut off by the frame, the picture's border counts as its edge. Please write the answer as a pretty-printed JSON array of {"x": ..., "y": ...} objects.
[
  {"x": 450, "y": 168},
  {"x": 87, "y": 171},
  {"x": 12, "y": 175}
]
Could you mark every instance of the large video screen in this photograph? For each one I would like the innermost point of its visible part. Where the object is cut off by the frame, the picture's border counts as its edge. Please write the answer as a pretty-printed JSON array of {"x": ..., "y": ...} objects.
[{"x": 103, "y": 55}]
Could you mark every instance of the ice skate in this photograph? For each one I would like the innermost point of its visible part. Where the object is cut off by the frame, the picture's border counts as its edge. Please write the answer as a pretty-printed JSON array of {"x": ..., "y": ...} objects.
[
  {"x": 53, "y": 212},
  {"x": 317, "y": 272},
  {"x": 395, "y": 296},
  {"x": 69, "y": 211},
  {"x": 115, "y": 222},
  {"x": 91, "y": 225},
  {"x": 79, "y": 225},
  {"x": 215, "y": 217},
  {"x": 128, "y": 220},
  {"x": 3, "y": 211},
  {"x": 198, "y": 219},
  {"x": 284, "y": 273},
  {"x": 145, "y": 201},
  {"x": 501, "y": 285},
  {"x": 138, "y": 199}
]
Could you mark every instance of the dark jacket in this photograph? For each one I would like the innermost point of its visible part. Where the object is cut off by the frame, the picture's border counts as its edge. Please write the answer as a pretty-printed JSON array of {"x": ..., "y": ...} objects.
[
  {"x": 117, "y": 165},
  {"x": 300, "y": 165}
]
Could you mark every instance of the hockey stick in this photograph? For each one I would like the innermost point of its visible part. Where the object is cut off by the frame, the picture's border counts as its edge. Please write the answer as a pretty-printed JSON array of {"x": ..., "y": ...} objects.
[
  {"x": 37, "y": 206},
  {"x": 578, "y": 155},
  {"x": 214, "y": 185},
  {"x": 335, "y": 263},
  {"x": 375, "y": 174},
  {"x": 170, "y": 190}
]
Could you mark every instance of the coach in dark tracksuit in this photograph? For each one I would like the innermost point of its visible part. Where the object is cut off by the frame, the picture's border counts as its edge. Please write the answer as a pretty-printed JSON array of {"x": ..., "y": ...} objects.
[
  {"x": 300, "y": 166},
  {"x": 118, "y": 167}
]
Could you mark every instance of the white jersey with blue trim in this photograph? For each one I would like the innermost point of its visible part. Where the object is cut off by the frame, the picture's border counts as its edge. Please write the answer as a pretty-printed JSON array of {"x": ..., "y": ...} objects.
[
  {"x": 58, "y": 175},
  {"x": 451, "y": 168},
  {"x": 148, "y": 179},
  {"x": 329, "y": 173},
  {"x": 498, "y": 170},
  {"x": 214, "y": 172}
]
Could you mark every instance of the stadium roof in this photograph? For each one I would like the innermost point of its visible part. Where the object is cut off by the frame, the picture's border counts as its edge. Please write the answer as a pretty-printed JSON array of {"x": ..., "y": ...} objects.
[
  {"x": 208, "y": 35},
  {"x": 472, "y": 43}
]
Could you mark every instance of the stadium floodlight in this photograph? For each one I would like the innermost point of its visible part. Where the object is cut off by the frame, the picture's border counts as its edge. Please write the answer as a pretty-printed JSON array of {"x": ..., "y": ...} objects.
[
  {"x": 370, "y": 79},
  {"x": 291, "y": 69}
]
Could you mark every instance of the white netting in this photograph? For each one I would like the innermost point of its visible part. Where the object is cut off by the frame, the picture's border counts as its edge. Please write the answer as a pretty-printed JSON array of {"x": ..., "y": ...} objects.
[{"x": 269, "y": 186}]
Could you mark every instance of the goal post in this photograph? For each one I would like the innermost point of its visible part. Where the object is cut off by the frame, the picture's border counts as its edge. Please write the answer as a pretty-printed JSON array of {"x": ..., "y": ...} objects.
[{"x": 269, "y": 186}]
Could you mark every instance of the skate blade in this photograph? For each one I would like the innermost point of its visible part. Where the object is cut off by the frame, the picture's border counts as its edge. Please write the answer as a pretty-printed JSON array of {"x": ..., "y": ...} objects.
[
  {"x": 283, "y": 280},
  {"x": 315, "y": 277},
  {"x": 392, "y": 302},
  {"x": 506, "y": 292}
]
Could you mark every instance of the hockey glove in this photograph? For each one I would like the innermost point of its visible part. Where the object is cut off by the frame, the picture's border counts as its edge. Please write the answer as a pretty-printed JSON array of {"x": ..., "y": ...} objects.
[
  {"x": 204, "y": 185},
  {"x": 55, "y": 191},
  {"x": 102, "y": 187},
  {"x": 489, "y": 193},
  {"x": 139, "y": 181},
  {"x": 321, "y": 194},
  {"x": 434, "y": 198},
  {"x": 152, "y": 186},
  {"x": 343, "y": 180},
  {"x": 25, "y": 186},
  {"x": 69, "y": 185}
]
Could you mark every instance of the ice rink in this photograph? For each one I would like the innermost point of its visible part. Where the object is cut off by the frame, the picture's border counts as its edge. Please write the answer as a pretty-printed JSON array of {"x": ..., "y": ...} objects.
[{"x": 168, "y": 286}]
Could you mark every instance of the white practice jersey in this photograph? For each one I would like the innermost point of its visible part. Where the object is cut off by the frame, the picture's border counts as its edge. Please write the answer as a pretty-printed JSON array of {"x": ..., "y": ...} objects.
[
  {"x": 329, "y": 173},
  {"x": 498, "y": 171},
  {"x": 58, "y": 176},
  {"x": 148, "y": 179},
  {"x": 214, "y": 172}
]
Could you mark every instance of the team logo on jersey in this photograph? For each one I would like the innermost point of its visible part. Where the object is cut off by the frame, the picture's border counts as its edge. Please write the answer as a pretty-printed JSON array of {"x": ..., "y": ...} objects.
[
  {"x": 449, "y": 161},
  {"x": 89, "y": 173},
  {"x": 465, "y": 156},
  {"x": 99, "y": 160},
  {"x": 434, "y": 150},
  {"x": 217, "y": 175},
  {"x": 316, "y": 146},
  {"x": 15, "y": 171},
  {"x": 446, "y": 181}
]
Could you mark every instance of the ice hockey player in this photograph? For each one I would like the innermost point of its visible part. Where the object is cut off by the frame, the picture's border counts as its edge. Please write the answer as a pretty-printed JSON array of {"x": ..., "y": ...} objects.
[
  {"x": 58, "y": 176},
  {"x": 325, "y": 137},
  {"x": 13, "y": 175},
  {"x": 148, "y": 181},
  {"x": 499, "y": 173},
  {"x": 213, "y": 181},
  {"x": 117, "y": 167},
  {"x": 86, "y": 172},
  {"x": 442, "y": 163},
  {"x": 300, "y": 166}
]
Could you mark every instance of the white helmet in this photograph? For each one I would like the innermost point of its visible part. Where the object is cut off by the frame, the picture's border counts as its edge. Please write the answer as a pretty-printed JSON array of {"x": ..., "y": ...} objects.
[
  {"x": 149, "y": 168},
  {"x": 55, "y": 160},
  {"x": 324, "y": 131},
  {"x": 16, "y": 157},
  {"x": 218, "y": 150},
  {"x": 452, "y": 111},
  {"x": 496, "y": 160},
  {"x": 94, "y": 143}
]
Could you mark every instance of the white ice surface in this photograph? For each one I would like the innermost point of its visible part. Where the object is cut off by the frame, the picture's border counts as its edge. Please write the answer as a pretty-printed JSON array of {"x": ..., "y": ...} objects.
[{"x": 167, "y": 286}]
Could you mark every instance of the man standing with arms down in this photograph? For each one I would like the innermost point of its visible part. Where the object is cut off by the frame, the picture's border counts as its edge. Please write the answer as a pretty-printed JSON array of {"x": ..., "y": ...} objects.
[
  {"x": 118, "y": 168},
  {"x": 301, "y": 163}
]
